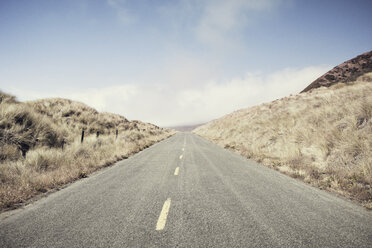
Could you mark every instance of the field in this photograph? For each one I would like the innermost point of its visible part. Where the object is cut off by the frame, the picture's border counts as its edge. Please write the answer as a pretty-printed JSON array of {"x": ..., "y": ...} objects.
[
  {"x": 41, "y": 148},
  {"x": 323, "y": 137}
]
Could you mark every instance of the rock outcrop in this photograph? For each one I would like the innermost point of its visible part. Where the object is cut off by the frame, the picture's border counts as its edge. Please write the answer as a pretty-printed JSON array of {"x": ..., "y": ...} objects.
[{"x": 346, "y": 72}]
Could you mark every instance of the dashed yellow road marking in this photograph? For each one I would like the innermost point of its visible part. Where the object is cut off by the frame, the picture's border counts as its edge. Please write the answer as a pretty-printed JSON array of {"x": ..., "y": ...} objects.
[
  {"x": 163, "y": 215},
  {"x": 181, "y": 156},
  {"x": 176, "y": 171}
]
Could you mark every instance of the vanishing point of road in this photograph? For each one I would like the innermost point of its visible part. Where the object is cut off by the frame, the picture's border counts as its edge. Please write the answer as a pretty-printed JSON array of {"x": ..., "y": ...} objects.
[{"x": 188, "y": 192}]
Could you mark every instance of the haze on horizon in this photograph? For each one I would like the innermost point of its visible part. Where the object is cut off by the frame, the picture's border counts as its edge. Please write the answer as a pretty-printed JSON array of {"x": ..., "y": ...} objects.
[{"x": 175, "y": 62}]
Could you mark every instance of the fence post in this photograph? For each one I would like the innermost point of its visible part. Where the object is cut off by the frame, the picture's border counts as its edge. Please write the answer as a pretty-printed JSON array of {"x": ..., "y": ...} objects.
[
  {"x": 117, "y": 132},
  {"x": 97, "y": 134},
  {"x": 82, "y": 135},
  {"x": 63, "y": 143}
]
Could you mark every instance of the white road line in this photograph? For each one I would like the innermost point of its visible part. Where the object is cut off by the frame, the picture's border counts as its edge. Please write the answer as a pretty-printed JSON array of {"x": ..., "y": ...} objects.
[
  {"x": 163, "y": 215},
  {"x": 176, "y": 171},
  {"x": 181, "y": 156}
]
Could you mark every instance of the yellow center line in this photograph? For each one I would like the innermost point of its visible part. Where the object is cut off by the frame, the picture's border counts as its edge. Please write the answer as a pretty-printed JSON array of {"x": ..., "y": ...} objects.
[
  {"x": 181, "y": 156},
  {"x": 163, "y": 215},
  {"x": 176, "y": 171}
]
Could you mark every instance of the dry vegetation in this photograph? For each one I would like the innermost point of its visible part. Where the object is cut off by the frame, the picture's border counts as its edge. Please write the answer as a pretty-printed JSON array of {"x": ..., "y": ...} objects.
[
  {"x": 40, "y": 146},
  {"x": 323, "y": 137}
]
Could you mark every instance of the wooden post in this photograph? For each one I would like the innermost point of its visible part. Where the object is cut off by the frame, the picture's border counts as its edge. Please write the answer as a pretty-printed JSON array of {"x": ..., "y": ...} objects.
[
  {"x": 63, "y": 143},
  {"x": 117, "y": 132},
  {"x": 97, "y": 134},
  {"x": 82, "y": 135}
]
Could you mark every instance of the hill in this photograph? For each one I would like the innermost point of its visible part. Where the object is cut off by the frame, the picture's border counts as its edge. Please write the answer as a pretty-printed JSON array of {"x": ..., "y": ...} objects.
[
  {"x": 185, "y": 128},
  {"x": 41, "y": 148},
  {"x": 76, "y": 116},
  {"x": 322, "y": 137},
  {"x": 346, "y": 72}
]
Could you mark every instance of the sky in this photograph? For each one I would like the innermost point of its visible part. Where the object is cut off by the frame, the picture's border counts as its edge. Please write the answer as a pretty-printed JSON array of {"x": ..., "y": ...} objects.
[{"x": 175, "y": 62}]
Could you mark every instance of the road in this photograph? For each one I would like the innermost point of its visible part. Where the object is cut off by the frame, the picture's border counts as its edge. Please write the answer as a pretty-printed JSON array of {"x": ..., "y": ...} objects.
[{"x": 188, "y": 192}]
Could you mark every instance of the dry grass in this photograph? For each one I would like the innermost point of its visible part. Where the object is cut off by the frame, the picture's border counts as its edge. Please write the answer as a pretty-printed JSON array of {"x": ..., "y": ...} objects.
[
  {"x": 323, "y": 137},
  {"x": 32, "y": 134}
]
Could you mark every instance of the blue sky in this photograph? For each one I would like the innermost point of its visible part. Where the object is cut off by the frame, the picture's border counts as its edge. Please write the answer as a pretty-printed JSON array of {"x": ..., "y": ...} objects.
[{"x": 175, "y": 62}]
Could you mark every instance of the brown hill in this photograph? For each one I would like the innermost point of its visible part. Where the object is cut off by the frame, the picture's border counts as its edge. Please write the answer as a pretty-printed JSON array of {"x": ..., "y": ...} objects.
[
  {"x": 41, "y": 147},
  {"x": 322, "y": 137},
  {"x": 346, "y": 72}
]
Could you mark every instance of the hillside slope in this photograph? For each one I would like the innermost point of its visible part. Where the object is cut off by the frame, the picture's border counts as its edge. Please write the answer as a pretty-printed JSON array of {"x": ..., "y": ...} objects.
[
  {"x": 346, "y": 72},
  {"x": 76, "y": 116},
  {"x": 323, "y": 137},
  {"x": 41, "y": 149}
]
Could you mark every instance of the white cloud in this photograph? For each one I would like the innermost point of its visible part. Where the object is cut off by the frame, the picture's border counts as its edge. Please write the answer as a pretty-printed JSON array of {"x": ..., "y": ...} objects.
[
  {"x": 168, "y": 105},
  {"x": 217, "y": 99},
  {"x": 222, "y": 20},
  {"x": 123, "y": 12}
]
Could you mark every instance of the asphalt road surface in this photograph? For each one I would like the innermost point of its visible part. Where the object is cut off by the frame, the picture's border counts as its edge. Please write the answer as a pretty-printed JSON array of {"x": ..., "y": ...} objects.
[{"x": 188, "y": 192}]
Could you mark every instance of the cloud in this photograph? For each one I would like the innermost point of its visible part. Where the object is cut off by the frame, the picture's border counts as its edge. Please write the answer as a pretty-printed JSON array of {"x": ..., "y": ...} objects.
[
  {"x": 216, "y": 24},
  {"x": 122, "y": 10},
  {"x": 214, "y": 100},
  {"x": 222, "y": 20},
  {"x": 168, "y": 105}
]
